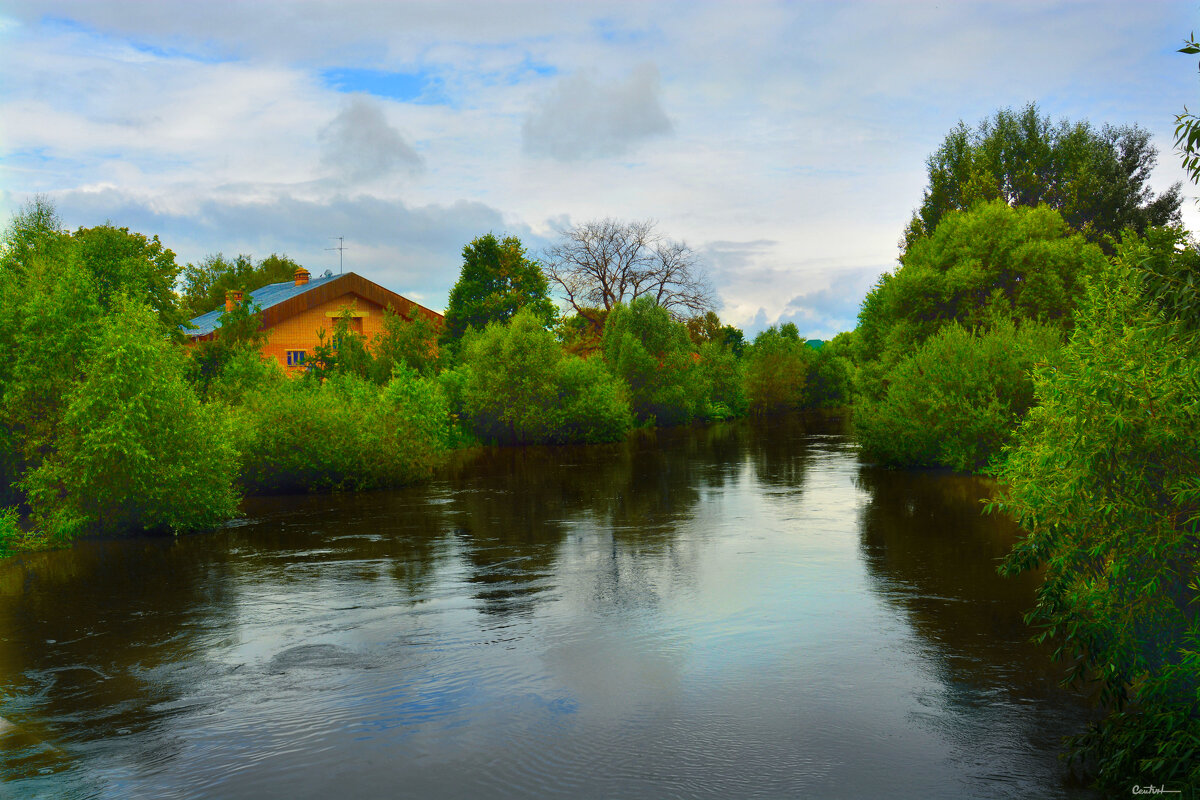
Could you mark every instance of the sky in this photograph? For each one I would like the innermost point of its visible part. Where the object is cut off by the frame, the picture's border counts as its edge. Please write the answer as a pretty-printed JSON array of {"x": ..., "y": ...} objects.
[{"x": 784, "y": 142}]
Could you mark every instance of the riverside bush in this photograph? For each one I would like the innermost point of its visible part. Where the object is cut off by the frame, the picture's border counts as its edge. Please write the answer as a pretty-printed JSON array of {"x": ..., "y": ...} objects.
[
  {"x": 777, "y": 366},
  {"x": 1104, "y": 474},
  {"x": 957, "y": 400},
  {"x": 517, "y": 386},
  {"x": 135, "y": 450},
  {"x": 654, "y": 356},
  {"x": 345, "y": 433}
]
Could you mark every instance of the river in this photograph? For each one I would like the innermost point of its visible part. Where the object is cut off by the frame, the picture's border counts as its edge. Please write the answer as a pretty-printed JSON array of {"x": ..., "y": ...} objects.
[{"x": 742, "y": 610}]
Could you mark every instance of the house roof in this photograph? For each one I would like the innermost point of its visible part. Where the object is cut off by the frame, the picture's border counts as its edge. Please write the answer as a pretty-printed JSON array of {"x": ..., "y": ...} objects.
[{"x": 279, "y": 301}]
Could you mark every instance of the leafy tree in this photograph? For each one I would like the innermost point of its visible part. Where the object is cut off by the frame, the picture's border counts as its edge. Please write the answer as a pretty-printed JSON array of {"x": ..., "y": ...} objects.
[
  {"x": 957, "y": 399},
  {"x": 205, "y": 284},
  {"x": 831, "y": 379},
  {"x": 410, "y": 340},
  {"x": 239, "y": 330},
  {"x": 122, "y": 262},
  {"x": 777, "y": 367},
  {"x": 605, "y": 263},
  {"x": 496, "y": 281},
  {"x": 518, "y": 387},
  {"x": 1105, "y": 477},
  {"x": 1097, "y": 179},
  {"x": 989, "y": 263},
  {"x": 653, "y": 354},
  {"x": 135, "y": 449}
]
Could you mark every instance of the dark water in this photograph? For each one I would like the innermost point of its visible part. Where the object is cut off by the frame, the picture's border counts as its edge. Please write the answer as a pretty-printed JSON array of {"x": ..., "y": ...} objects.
[{"x": 737, "y": 611}]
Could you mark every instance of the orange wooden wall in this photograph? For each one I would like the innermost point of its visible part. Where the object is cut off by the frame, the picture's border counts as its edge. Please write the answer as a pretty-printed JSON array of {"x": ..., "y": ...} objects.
[{"x": 300, "y": 332}]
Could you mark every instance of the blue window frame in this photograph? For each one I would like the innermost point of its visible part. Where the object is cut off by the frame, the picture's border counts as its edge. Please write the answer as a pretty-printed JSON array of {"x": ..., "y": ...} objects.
[{"x": 295, "y": 358}]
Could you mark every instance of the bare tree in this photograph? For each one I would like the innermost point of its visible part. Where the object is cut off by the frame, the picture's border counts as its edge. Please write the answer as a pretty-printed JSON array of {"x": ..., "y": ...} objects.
[{"x": 604, "y": 262}]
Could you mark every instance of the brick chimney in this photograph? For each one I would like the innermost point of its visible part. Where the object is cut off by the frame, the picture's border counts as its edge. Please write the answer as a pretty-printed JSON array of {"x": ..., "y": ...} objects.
[
  {"x": 233, "y": 298},
  {"x": 301, "y": 276}
]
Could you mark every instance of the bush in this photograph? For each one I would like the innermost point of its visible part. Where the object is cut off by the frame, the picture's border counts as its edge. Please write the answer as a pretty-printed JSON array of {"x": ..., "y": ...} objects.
[
  {"x": 654, "y": 356},
  {"x": 957, "y": 400},
  {"x": 1105, "y": 476},
  {"x": 11, "y": 536},
  {"x": 518, "y": 387},
  {"x": 777, "y": 365},
  {"x": 135, "y": 449},
  {"x": 345, "y": 433}
]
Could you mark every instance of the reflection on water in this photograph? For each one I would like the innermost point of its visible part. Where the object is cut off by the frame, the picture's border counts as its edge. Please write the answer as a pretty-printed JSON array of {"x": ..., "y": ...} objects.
[{"x": 738, "y": 610}]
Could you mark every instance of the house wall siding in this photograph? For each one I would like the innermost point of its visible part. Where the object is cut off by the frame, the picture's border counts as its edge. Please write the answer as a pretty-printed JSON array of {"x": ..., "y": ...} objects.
[{"x": 299, "y": 332}]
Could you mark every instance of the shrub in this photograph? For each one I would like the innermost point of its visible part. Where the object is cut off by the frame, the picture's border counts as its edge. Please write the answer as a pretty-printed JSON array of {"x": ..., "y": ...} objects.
[
  {"x": 135, "y": 449},
  {"x": 957, "y": 400},
  {"x": 345, "y": 433},
  {"x": 654, "y": 356},
  {"x": 1105, "y": 476},
  {"x": 519, "y": 387}
]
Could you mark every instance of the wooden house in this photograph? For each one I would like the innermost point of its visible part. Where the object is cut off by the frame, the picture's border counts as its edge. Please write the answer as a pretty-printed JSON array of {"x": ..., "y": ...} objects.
[{"x": 293, "y": 312}]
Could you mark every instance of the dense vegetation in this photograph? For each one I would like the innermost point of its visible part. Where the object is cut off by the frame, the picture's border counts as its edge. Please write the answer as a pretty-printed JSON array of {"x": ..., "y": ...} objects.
[{"x": 112, "y": 426}]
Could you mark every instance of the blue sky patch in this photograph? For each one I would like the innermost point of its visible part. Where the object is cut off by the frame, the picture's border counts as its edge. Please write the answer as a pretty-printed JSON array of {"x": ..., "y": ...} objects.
[{"x": 407, "y": 87}]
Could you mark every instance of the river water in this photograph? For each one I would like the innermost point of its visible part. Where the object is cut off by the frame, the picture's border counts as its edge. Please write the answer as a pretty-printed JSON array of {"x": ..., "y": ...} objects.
[{"x": 742, "y": 610}]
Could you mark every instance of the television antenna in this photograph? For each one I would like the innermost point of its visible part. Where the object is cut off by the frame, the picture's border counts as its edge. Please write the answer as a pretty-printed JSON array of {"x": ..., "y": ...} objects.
[{"x": 341, "y": 246}]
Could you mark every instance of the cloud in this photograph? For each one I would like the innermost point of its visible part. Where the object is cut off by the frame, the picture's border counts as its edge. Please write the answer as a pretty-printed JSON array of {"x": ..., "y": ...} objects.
[
  {"x": 582, "y": 119},
  {"x": 833, "y": 308},
  {"x": 359, "y": 145},
  {"x": 415, "y": 250}
]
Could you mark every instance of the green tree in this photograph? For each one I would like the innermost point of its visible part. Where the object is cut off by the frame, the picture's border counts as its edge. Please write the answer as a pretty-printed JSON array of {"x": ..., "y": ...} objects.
[
  {"x": 410, "y": 340},
  {"x": 957, "y": 399},
  {"x": 1187, "y": 125},
  {"x": 496, "y": 281},
  {"x": 1097, "y": 179},
  {"x": 135, "y": 449},
  {"x": 653, "y": 354},
  {"x": 990, "y": 263},
  {"x": 122, "y": 262},
  {"x": 520, "y": 388},
  {"x": 777, "y": 366},
  {"x": 1105, "y": 477}
]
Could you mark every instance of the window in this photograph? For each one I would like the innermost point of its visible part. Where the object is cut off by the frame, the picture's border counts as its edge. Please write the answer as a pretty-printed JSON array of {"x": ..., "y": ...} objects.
[{"x": 295, "y": 358}]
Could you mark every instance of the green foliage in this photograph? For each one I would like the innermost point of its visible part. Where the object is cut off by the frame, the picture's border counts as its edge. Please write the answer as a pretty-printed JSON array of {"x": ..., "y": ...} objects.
[
  {"x": 497, "y": 280},
  {"x": 955, "y": 401},
  {"x": 345, "y": 433},
  {"x": 408, "y": 340},
  {"x": 991, "y": 263},
  {"x": 777, "y": 367},
  {"x": 135, "y": 450},
  {"x": 239, "y": 331},
  {"x": 721, "y": 373},
  {"x": 518, "y": 387},
  {"x": 831, "y": 379},
  {"x": 12, "y": 538},
  {"x": 1105, "y": 477},
  {"x": 1187, "y": 125},
  {"x": 1097, "y": 179},
  {"x": 205, "y": 284},
  {"x": 653, "y": 354},
  {"x": 125, "y": 263}
]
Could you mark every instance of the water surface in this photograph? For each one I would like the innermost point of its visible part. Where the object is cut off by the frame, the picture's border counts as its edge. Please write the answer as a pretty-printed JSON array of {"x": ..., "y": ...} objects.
[{"x": 736, "y": 611}]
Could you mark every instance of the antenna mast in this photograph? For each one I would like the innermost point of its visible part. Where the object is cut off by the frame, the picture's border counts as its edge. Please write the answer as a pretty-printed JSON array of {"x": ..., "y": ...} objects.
[{"x": 341, "y": 246}]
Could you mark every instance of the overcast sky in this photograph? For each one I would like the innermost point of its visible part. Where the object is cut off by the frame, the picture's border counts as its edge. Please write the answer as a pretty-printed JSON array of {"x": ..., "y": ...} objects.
[{"x": 785, "y": 142}]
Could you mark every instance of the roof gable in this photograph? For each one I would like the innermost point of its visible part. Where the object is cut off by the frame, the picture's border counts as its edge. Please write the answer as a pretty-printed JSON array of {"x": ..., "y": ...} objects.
[{"x": 279, "y": 301}]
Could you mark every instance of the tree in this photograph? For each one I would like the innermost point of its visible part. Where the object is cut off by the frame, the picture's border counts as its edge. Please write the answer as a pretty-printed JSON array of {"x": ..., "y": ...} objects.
[
  {"x": 124, "y": 262},
  {"x": 979, "y": 266},
  {"x": 135, "y": 449},
  {"x": 1105, "y": 477},
  {"x": 1097, "y": 179},
  {"x": 603, "y": 263},
  {"x": 496, "y": 281}
]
